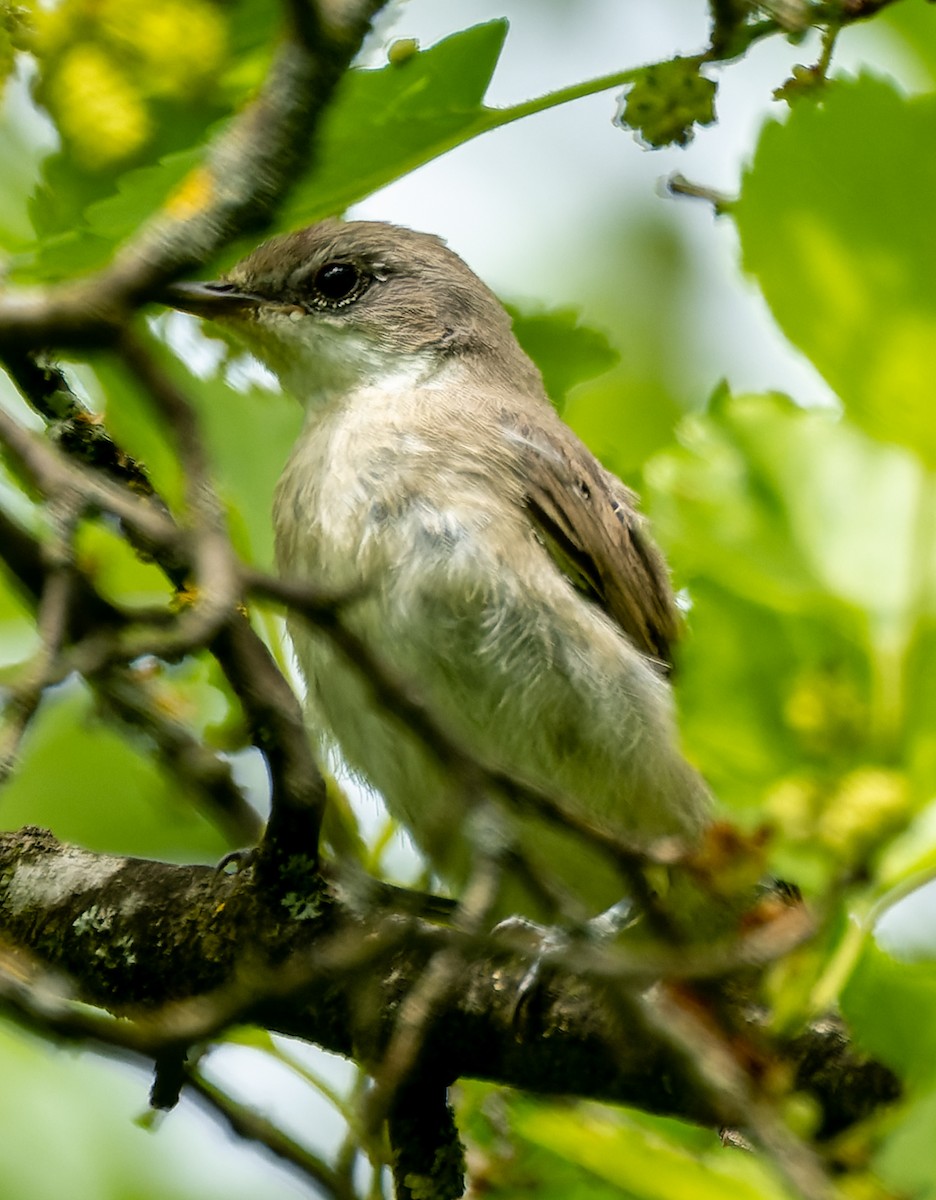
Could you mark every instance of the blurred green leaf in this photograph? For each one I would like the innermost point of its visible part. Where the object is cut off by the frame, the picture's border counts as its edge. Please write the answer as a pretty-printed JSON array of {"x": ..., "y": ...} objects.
[
  {"x": 19, "y": 161},
  {"x": 18, "y": 636},
  {"x": 95, "y": 787},
  {"x": 735, "y": 673},
  {"x": 117, "y": 216},
  {"x": 913, "y": 22},
  {"x": 844, "y": 250},
  {"x": 87, "y": 1106},
  {"x": 565, "y": 351},
  {"x": 386, "y": 122},
  {"x": 794, "y": 509},
  {"x": 133, "y": 425},
  {"x": 249, "y": 433},
  {"x": 643, "y": 1163},
  {"x": 586, "y": 1152},
  {"x": 905, "y": 1160},
  {"x": 506, "y": 1163},
  {"x": 180, "y": 68},
  {"x": 116, "y": 570},
  {"x": 878, "y": 989},
  {"x": 811, "y": 616},
  {"x": 912, "y": 855},
  {"x": 625, "y": 416},
  {"x": 248, "y": 430}
]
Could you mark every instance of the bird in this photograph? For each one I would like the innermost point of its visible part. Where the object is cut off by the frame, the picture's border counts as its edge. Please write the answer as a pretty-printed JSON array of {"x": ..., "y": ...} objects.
[{"x": 497, "y": 567}]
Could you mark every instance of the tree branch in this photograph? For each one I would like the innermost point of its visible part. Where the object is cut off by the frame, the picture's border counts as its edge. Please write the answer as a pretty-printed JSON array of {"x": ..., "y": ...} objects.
[{"x": 187, "y": 950}]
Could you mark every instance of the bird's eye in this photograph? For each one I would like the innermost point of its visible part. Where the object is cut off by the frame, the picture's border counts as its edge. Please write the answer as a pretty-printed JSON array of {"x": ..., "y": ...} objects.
[{"x": 338, "y": 282}]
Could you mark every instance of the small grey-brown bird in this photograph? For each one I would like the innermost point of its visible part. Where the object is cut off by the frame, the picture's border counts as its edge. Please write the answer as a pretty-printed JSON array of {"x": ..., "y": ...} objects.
[{"x": 502, "y": 570}]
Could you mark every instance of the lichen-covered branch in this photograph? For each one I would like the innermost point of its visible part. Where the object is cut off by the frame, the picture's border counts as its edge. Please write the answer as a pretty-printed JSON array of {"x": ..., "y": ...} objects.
[{"x": 188, "y": 950}]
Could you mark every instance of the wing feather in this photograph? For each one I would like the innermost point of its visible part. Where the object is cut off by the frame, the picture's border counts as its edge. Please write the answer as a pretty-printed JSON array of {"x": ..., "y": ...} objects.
[{"x": 589, "y": 522}]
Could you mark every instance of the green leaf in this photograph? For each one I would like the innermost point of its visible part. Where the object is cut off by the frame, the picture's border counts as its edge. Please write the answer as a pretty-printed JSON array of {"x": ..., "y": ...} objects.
[
  {"x": 138, "y": 192},
  {"x": 905, "y": 1161},
  {"x": 18, "y": 636},
  {"x": 913, "y": 22},
  {"x": 19, "y": 178},
  {"x": 565, "y": 351},
  {"x": 249, "y": 432},
  {"x": 383, "y": 124},
  {"x": 81, "y": 218},
  {"x": 881, "y": 987},
  {"x": 89, "y": 1104},
  {"x": 624, "y": 416},
  {"x": 791, "y": 507},
  {"x": 844, "y": 251},
  {"x": 386, "y": 122},
  {"x": 111, "y": 220},
  {"x": 116, "y": 570},
  {"x": 94, "y": 787},
  {"x": 78, "y": 215},
  {"x": 643, "y": 1162},
  {"x": 798, "y": 538},
  {"x": 579, "y": 1151},
  {"x": 911, "y": 857},
  {"x": 133, "y": 425},
  {"x": 249, "y": 435},
  {"x": 667, "y": 100}
]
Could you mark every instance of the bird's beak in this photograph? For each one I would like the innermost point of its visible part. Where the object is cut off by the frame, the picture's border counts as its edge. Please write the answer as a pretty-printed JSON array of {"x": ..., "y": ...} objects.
[{"x": 214, "y": 299}]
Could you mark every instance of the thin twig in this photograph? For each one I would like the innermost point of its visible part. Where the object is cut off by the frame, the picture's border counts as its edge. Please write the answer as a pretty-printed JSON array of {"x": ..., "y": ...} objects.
[
  {"x": 711, "y": 1057},
  {"x": 203, "y": 772},
  {"x": 272, "y": 711},
  {"x": 24, "y": 696},
  {"x": 297, "y": 787},
  {"x": 122, "y": 691},
  {"x": 251, "y": 1126},
  {"x": 55, "y": 475},
  {"x": 430, "y": 993},
  {"x": 246, "y": 172},
  {"x": 474, "y": 778},
  {"x": 678, "y": 185},
  {"x": 214, "y": 575}
]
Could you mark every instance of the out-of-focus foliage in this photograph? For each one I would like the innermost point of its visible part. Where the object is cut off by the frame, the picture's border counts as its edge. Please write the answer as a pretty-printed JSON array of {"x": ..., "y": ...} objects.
[
  {"x": 806, "y": 541},
  {"x": 842, "y": 247},
  {"x": 99, "y": 789},
  {"x": 517, "y": 1144},
  {"x": 383, "y": 123},
  {"x": 104, "y": 64},
  {"x": 566, "y": 352},
  {"x": 130, "y": 88},
  {"x": 803, "y": 679},
  {"x": 91, "y": 1109}
]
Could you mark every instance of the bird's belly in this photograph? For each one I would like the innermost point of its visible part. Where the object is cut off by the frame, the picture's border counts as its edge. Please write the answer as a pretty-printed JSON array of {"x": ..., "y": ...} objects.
[{"x": 523, "y": 672}]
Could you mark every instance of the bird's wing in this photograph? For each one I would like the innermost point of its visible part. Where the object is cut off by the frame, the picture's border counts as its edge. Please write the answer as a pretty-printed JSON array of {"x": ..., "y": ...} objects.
[{"x": 588, "y": 521}]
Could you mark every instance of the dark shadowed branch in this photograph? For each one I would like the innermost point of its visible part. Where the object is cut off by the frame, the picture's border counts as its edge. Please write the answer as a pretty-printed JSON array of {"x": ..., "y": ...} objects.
[{"x": 192, "y": 950}]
